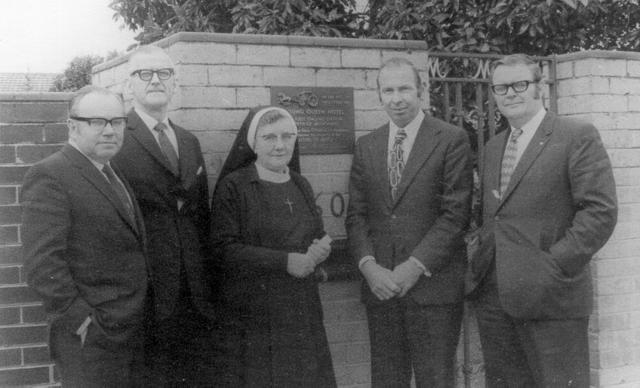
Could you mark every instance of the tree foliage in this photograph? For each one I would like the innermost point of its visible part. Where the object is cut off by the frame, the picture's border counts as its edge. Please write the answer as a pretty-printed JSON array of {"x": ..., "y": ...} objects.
[
  {"x": 77, "y": 74},
  {"x": 498, "y": 26}
]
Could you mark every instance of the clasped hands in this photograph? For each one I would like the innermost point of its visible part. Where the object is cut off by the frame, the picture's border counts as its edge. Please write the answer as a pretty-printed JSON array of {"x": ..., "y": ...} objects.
[
  {"x": 301, "y": 265},
  {"x": 387, "y": 284}
]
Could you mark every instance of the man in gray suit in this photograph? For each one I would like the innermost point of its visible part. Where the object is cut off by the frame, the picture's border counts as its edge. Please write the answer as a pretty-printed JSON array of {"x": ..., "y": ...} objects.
[
  {"x": 549, "y": 203},
  {"x": 84, "y": 248},
  {"x": 410, "y": 192}
]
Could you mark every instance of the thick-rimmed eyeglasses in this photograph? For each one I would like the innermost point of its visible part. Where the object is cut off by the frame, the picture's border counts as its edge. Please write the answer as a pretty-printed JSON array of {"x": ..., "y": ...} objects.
[
  {"x": 286, "y": 137},
  {"x": 99, "y": 123},
  {"x": 147, "y": 74},
  {"x": 517, "y": 87}
]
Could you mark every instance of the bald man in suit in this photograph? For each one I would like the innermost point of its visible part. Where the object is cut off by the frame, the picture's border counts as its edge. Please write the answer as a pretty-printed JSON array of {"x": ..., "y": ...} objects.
[{"x": 84, "y": 249}]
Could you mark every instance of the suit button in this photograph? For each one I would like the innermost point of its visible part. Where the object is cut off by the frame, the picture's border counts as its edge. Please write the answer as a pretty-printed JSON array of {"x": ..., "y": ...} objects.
[
  {"x": 497, "y": 218},
  {"x": 393, "y": 216}
]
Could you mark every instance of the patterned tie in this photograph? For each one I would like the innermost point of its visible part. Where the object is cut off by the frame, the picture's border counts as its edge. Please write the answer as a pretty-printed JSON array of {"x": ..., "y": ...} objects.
[
  {"x": 396, "y": 162},
  {"x": 119, "y": 190},
  {"x": 167, "y": 147},
  {"x": 509, "y": 159}
]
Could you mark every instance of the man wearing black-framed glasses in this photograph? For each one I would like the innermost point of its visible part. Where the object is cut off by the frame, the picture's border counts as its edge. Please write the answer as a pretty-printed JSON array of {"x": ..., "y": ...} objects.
[
  {"x": 164, "y": 164},
  {"x": 84, "y": 249},
  {"x": 548, "y": 204}
]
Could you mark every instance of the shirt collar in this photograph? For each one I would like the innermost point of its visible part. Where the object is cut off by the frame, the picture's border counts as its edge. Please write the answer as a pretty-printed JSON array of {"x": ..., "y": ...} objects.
[
  {"x": 533, "y": 124},
  {"x": 149, "y": 121},
  {"x": 412, "y": 128}
]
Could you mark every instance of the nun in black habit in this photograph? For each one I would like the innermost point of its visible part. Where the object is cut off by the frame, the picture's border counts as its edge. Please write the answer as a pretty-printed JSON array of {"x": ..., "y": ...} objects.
[{"x": 268, "y": 236}]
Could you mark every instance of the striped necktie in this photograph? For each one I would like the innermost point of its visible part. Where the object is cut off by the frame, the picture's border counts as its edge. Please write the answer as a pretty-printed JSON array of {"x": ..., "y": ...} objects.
[
  {"x": 167, "y": 147},
  {"x": 396, "y": 162},
  {"x": 509, "y": 160}
]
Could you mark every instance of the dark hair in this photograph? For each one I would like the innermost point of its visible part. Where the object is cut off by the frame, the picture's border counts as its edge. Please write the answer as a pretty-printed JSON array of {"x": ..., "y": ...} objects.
[
  {"x": 400, "y": 62},
  {"x": 518, "y": 59},
  {"x": 90, "y": 89}
]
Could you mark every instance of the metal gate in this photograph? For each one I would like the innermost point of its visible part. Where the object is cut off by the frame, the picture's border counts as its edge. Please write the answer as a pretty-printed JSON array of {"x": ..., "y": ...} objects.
[{"x": 459, "y": 93}]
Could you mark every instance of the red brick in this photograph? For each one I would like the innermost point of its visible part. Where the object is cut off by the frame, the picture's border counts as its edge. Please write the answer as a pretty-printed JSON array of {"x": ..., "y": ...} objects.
[
  {"x": 25, "y": 376},
  {"x": 9, "y": 275},
  {"x": 8, "y": 195},
  {"x": 12, "y": 175},
  {"x": 56, "y": 133},
  {"x": 25, "y": 133},
  {"x": 10, "y": 215},
  {"x": 22, "y": 335},
  {"x": 18, "y": 294},
  {"x": 30, "y": 112},
  {"x": 11, "y": 254},
  {"x": 8, "y": 234},
  {"x": 36, "y": 355},
  {"x": 7, "y": 154},
  {"x": 33, "y": 314},
  {"x": 10, "y": 357},
  {"x": 9, "y": 315}
]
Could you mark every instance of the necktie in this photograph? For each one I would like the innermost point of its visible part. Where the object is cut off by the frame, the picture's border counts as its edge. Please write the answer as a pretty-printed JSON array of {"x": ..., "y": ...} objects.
[
  {"x": 119, "y": 190},
  {"x": 509, "y": 159},
  {"x": 167, "y": 147},
  {"x": 396, "y": 162}
]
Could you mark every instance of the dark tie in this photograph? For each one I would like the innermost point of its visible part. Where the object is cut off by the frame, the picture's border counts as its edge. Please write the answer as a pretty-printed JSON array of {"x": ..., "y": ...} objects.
[
  {"x": 396, "y": 162},
  {"x": 119, "y": 190},
  {"x": 509, "y": 160},
  {"x": 166, "y": 147}
]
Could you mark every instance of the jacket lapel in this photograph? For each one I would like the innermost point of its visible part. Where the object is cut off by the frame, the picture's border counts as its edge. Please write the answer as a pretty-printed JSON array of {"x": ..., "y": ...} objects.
[
  {"x": 531, "y": 153},
  {"x": 142, "y": 135},
  {"x": 424, "y": 144},
  {"x": 91, "y": 173},
  {"x": 187, "y": 167},
  {"x": 379, "y": 156}
]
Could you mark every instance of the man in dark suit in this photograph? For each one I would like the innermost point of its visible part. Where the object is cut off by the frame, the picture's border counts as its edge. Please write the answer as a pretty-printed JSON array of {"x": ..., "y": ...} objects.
[
  {"x": 409, "y": 205},
  {"x": 83, "y": 244},
  {"x": 549, "y": 203},
  {"x": 164, "y": 164}
]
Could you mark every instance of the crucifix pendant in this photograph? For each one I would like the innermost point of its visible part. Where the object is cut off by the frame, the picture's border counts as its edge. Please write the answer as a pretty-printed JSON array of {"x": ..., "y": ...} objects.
[{"x": 290, "y": 204}]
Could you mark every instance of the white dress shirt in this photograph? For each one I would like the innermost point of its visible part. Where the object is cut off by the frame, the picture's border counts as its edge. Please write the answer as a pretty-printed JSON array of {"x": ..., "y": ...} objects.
[{"x": 150, "y": 122}]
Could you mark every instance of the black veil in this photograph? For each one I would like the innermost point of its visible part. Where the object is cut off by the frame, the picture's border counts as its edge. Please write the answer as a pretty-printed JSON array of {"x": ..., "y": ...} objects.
[{"x": 241, "y": 154}]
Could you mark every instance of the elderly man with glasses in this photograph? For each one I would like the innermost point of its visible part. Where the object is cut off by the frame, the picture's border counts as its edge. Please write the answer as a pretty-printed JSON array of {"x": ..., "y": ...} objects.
[
  {"x": 83, "y": 245},
  {"x": 164, "y": 164},
  {"x": 548, "y": 204}
]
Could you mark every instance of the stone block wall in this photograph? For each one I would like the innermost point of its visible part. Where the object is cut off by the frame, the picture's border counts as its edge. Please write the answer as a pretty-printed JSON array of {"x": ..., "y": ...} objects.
[
  {"x": 32, "y": 126},
  {"x": 603, "y": 87}
]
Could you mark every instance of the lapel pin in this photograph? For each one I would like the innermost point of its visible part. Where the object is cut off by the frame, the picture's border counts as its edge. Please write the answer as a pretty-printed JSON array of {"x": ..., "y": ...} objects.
[{"x": 496, "y": 194}]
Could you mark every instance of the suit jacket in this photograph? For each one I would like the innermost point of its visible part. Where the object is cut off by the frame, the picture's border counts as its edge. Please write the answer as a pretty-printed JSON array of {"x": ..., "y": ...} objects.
[
  {"x": 430, "y": 215},
  {"x": 83, "y": 254},
  {"x": 558, "y": 210},
  {"x": 177, "y": 236}
]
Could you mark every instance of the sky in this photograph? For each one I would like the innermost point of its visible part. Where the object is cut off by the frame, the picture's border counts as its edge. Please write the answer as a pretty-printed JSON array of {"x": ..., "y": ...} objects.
[{"x": 43, "y": 36}]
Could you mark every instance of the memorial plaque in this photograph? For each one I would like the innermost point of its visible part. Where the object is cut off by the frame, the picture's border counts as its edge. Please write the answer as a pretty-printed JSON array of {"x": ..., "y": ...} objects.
[{"x": 324, "y": 117}]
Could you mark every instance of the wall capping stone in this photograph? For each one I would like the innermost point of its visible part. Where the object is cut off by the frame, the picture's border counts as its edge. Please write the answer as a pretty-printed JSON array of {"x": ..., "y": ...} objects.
[
  {"x": 598, "y": 54},
  {"x": 33, "y": 96},
  {"x": 261, "y": 39}
]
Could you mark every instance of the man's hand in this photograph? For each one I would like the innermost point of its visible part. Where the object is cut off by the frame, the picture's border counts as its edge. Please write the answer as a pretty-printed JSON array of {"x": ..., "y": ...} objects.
[
  {"x": 379, "y": 280},
  {"x": 406, "y": 275},
  {"x": 300, "y": 265},
  {"x": 320, "y": 249}
]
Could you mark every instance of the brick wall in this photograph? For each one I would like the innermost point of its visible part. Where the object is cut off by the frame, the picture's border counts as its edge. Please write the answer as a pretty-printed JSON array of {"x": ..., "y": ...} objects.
[
  {"x": 31, "y": 128},
  {"x": 604, "y": 88}
]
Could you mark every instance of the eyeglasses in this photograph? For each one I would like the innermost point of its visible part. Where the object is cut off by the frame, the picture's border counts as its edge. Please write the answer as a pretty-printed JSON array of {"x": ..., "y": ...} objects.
[
  {"x": 517, "y": 87},
  {"x": 147, "y": 74},
  {"x": 99, "y": 123},
  {"x": 286, "y": 137}
]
